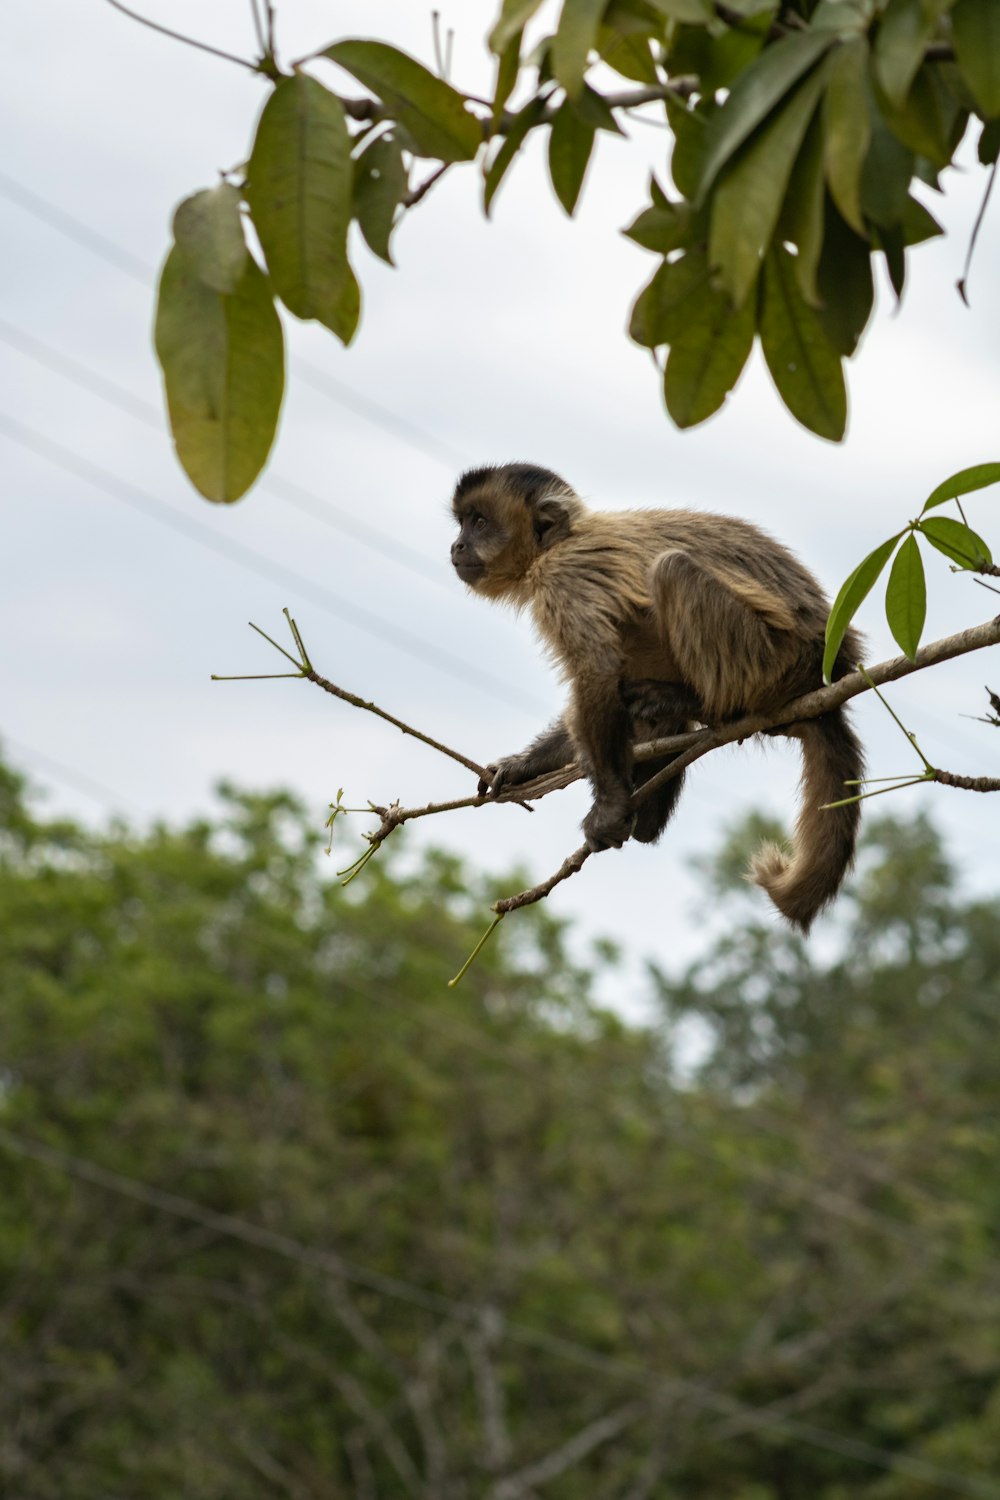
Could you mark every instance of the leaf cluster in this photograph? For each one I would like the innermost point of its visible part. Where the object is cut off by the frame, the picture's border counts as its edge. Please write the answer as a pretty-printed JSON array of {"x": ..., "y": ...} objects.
[{"x": 800, "y": 131}]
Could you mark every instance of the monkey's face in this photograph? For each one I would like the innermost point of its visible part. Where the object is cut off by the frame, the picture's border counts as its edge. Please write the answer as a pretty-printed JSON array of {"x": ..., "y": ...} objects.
[
  {"x": 480, "y": 542},
  {"x": 506, "y": 516}
]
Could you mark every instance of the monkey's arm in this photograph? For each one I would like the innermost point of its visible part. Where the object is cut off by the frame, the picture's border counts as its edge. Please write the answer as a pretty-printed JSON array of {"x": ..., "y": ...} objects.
[{"x": 553, "y": 748}]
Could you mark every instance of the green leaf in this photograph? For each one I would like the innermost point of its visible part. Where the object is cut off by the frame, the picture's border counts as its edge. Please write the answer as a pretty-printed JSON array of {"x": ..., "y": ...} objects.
[
  {"x": 853, "y": 593},
  {"x": 707, "y": 355},
  {"x": 747, "y": 199},
  {"x": 208, "y": 230},
  {"x": 689, "y": 126},
  {"x": 906, "y": 597},
  {"x": 924, "y": 120},
  {"x": 594, "y": 110},
  {"x": 508, "y": 68},
  {"x": 666, "y": 303},
  {"x": 978, "y": 477},
  {"x": 756, "y": 93},
  {"x": 956, "y": 540},
  {"x": 224, "y": 371},
  {"x": 575, "y": 38},
  {"x": 630, "y": 55},
  {"x": 988, "y": 149},
  {"x": 344, "y": 315},
  {"x": 804, "y": 211},
  {"x": 976, "y": 33},
  {"x": 847, "y": 128},
  {"x": 917, "y": 224},
  {"x": 432, "y": 111},
  {"x": 804, "y": 366},
  {"x": 845, "y": 284},
  {"x": 380, "y": 182},
  {"x": 885, "y": 177},
  {"x": 698, "y": 12},
  {"x": 661, "y": 229},
  {"x": 514, "y": 16},
  {"x": 900, "y": 43},
  {"x": 717, "y": 58},
  {"x": 511, "y": 144},
  {"x": 300, "y": 178},
  {"x": 570, "y": 145}
]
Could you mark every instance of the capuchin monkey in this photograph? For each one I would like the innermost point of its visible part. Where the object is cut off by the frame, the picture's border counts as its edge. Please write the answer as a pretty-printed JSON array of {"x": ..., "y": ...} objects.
[{"x": 661, "y": 620}]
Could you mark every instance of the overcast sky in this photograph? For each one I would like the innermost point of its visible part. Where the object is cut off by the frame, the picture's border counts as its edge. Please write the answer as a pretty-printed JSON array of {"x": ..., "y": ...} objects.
[{"x": 122, "y": 590}]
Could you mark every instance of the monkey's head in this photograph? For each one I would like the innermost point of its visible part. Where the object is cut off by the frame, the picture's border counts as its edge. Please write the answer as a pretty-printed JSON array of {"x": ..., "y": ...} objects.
[{"x": 507, "y": 515}]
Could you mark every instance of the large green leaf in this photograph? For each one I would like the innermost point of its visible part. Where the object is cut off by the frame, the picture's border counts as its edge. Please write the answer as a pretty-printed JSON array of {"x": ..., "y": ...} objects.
[
  {"x": 431, "y": 110},
  {"x": 955, "y": 540},
  {"x": 853, "y": 593},
  {"x": 847, "y": 128},
  {"x": 380, "y": 181},
  {"x": 574, "y": 40},
  {"x": 514, "y": 16},
  {"x": 208, "y": 230},
  {"x": 906, "y": 597},
  {"x": 666, "y": 303},
  {"x": 299, "y": 187},
  {"x": 978, "y": 477},
  {"x": 224, "y": 371},
  {"x": 885, "y": 177},
  {"x": 925, "y": 119},
  {"x": 627, "y": 53},
  {"x": 976, "y": 32},
  {"x": 748, "y": 197},
  {"x": 570, "y": 145},
  {"x": 508, "y": 72},
  {"x": 804, "y": 366},
  {"x": 900, "y": 44},
  {"x": 845, "y": 284},
  {"x": 511, "y": 144},
  {"x": 707, "y": 355},
  {"x": 756, "y": 93},
  {"x": 690, "y": 128},
  {"x": 803, "y": 214}
]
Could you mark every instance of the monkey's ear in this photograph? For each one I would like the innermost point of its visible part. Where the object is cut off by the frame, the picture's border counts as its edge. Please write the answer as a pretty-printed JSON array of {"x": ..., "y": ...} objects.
[{"x": 552, "y": 520}]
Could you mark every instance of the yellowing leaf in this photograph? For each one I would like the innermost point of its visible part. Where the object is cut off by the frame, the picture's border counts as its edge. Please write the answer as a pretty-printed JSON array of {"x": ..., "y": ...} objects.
[{"x": 224, "y": 369}]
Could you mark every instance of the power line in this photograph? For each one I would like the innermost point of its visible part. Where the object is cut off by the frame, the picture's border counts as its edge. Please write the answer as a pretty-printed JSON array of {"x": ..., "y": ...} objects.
[
  {"x": 364, "y": 406},
  {"x": 396, "y": 1288},
  {"x": 71, "y": 776},
  {"x": 245, "y": 557},
  {"x": 311, "y": 504}
]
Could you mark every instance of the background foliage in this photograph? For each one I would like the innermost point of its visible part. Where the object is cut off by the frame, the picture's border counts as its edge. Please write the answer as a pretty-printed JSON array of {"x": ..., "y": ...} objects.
[{"x": 490, "y": 1242}]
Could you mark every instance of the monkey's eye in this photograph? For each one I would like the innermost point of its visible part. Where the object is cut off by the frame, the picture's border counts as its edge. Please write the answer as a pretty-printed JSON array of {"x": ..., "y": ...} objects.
[{"x": 479, "y": 522}]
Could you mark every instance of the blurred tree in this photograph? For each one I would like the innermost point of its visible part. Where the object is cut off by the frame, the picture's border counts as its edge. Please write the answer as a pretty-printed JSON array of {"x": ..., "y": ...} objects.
[{"x": 282, "y": 1214}]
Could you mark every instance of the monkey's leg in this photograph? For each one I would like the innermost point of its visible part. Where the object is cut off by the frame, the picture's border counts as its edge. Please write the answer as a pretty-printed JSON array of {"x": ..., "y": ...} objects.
[
  {"x": 553, "y": 748},
  {"x": 658, "y": 709},
  {"x": 732, "y": 638}
]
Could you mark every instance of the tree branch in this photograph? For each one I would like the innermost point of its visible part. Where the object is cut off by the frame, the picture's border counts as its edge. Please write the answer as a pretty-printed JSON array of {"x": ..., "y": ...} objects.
[{"x": 178, "y": 36}]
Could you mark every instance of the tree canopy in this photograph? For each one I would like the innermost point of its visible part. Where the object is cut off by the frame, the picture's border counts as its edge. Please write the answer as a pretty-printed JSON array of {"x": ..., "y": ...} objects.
[
  {"x": 804, "y": 136},
  {"x": 282, "y": 1214}
]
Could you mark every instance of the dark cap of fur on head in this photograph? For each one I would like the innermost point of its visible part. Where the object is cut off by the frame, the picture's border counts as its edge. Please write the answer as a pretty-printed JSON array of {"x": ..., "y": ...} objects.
[{"x": 529, "y": 481}]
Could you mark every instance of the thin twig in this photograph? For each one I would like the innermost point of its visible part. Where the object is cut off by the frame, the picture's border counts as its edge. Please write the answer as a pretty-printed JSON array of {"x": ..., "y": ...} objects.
[
  {"x": 412, "y": 198},
  {"x": 258, "y": 26},
  {"x": 179, "y": 36},
  {"x": 961, "y": 283},
  {"x": 967, "y": 783}
]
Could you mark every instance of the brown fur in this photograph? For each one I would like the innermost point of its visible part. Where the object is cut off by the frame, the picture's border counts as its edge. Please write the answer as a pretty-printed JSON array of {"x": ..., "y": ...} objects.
[{"x": 658, "y": 619}]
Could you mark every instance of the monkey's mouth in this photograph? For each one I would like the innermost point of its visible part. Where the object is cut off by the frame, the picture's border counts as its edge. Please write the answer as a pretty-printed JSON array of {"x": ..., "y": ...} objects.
[{"x": 469, "y": 572}]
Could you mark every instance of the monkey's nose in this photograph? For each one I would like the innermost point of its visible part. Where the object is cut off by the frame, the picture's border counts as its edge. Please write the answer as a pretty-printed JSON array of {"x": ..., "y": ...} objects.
[{"x": 456, "y": 549}]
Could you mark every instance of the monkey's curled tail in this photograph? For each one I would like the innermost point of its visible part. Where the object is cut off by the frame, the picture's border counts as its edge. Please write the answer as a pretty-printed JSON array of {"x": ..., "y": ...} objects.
[{"x": 801, "y": 883}]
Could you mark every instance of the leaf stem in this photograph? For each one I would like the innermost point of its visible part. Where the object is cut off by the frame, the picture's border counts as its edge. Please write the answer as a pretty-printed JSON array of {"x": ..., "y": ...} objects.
[
  {"x": 179, "y": 36},
  {"x": 477, "y": 949}
]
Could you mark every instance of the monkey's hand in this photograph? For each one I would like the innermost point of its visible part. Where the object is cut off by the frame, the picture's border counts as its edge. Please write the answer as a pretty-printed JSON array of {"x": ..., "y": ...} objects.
[
  {"x": 504, "y": 774},
  {"x": 610, "y": 821}
]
